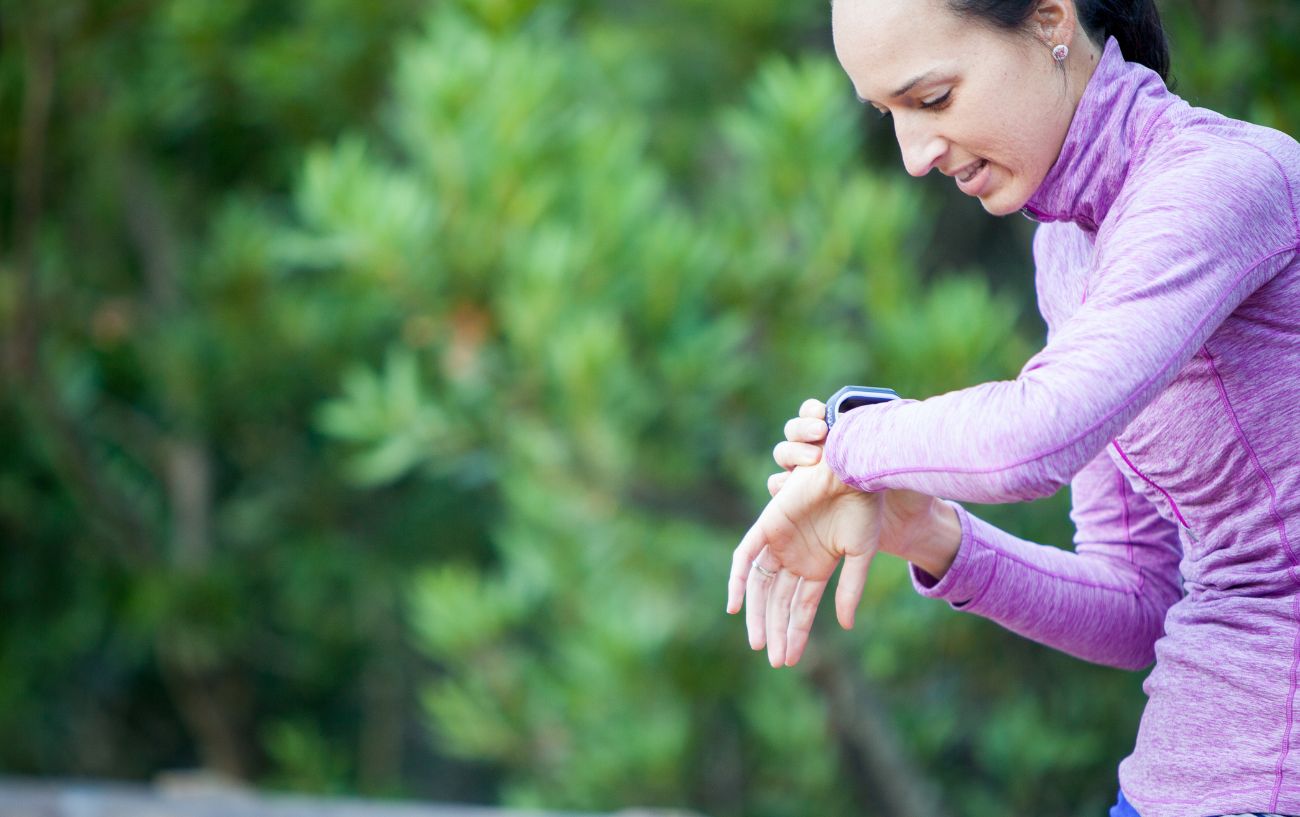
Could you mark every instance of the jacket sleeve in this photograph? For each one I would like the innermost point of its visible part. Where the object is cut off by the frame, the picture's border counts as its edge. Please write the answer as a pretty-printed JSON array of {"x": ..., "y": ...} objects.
[
  {"x": 1104, "y": 602},
  {"x": 1164, "y": 277}
]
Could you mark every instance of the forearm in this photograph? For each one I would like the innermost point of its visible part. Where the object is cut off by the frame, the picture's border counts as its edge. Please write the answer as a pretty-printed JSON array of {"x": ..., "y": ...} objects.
[
  {"x": 930, "y": 543},
  {"x": 994, "y": 443},
  {"x": 1092, "y": 606}
]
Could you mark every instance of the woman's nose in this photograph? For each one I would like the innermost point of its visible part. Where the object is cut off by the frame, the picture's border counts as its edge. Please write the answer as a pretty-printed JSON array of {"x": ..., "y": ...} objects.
[{"x": 921, "y": 146}]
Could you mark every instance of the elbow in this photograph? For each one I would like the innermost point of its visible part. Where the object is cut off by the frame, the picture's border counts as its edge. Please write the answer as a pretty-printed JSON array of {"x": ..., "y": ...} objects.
[
  {"x": 1135, "y": 653},
  {"x": 1139, "y": 650},
  {"x": 1029, "y": 484},
  {"x": 1138, "y": 660}
]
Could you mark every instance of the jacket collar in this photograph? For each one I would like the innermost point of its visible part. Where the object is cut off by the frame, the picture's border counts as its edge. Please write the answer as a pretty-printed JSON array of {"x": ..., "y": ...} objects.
[{"x": 1110, "y": 125}]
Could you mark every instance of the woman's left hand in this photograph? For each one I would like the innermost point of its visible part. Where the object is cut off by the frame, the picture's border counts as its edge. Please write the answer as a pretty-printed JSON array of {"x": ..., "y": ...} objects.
[{"x": 783, "y": 563}]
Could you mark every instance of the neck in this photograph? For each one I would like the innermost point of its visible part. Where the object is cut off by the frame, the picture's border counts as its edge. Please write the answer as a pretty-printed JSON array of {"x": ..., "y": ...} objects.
[
  {"x": 1116, "y": 104},
  {"x": 1079, "y": 68}
]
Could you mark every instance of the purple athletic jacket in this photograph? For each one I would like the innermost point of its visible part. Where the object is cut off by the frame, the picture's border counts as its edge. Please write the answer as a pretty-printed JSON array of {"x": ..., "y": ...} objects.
[{"x": 1168, "y": 399}]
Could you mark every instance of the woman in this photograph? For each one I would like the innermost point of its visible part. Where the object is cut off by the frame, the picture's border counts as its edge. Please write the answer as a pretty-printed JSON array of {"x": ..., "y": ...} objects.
[{"x": 1167, "y": 396}]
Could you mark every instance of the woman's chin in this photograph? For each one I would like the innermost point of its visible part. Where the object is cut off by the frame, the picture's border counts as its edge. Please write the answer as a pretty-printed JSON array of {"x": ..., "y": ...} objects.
[
  {"x": 996, "y": 208},
  {"x": 998, "y": 203}
]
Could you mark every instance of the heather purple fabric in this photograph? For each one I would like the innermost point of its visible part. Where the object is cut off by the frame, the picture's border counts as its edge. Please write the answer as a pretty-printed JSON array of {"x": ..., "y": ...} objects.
[{"x": 1168, "y": 398}]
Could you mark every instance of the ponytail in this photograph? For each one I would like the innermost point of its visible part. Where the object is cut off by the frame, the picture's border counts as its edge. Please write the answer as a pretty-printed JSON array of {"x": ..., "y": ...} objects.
[{"x": 1135, "y": 24}]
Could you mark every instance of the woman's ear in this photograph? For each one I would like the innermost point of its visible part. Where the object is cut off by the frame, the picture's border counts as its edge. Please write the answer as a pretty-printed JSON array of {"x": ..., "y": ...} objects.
[{"x": 1055, "y": 22}]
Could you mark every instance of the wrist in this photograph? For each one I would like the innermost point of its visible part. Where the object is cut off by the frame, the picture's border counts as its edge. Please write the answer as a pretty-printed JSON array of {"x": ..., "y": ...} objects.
[
  {"x": 832, "y": 484},
  {"x": 933, "y": 541}
]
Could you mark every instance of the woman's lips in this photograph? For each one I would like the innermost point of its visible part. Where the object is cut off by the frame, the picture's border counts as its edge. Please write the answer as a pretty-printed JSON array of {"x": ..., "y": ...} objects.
[{"x": 973, "y": 181}]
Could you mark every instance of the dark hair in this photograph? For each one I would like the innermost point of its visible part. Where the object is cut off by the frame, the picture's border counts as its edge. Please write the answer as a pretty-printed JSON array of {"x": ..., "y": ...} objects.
[{"x": 1134, "y": 23}]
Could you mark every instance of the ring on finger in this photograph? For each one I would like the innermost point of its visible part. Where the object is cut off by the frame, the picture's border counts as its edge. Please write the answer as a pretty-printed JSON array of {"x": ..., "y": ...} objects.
[{"x": 763, "y": 571}]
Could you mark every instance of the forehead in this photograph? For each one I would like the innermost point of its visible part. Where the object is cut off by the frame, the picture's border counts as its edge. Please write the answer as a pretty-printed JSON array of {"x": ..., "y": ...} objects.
[{"x": 883, "y": 44}]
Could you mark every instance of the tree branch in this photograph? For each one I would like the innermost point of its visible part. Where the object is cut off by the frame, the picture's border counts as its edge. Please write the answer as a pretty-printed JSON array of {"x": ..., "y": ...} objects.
[
  {"x": 38, "y": 98},
  {"x": 188, "y": 467},
  {"x": 71, "y": 449},
  {"x": 881, "y": 767}
]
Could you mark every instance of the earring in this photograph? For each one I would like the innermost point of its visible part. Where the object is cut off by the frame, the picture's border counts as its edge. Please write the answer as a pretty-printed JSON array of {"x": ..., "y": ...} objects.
[{"x": 1060, "y": 52}]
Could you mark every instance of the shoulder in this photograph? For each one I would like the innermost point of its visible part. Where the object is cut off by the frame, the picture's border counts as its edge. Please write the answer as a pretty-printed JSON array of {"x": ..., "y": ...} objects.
[{"x": 1205, "y": 175}]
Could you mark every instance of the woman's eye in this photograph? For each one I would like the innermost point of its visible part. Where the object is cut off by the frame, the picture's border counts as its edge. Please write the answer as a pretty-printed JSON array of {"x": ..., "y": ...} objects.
[{"x": 939, "y": 102}]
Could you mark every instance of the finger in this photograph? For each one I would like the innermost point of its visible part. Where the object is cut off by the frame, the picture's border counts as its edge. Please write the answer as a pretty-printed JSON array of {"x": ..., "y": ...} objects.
[
  {"x": 790, "y": 455},
  {"x": 805, "y": 429},
  {"x": 772, "y": 526},
  {"x": 775, "y": 482},
  {"x": 778, "y": 616},
  {"x": 756, "y": 593},
  {"x": 848, "y": 593},
  {"x": 741, "y": 559},
  {"x": 813, "y": 407},
  {"x": 803, "y": 609}
]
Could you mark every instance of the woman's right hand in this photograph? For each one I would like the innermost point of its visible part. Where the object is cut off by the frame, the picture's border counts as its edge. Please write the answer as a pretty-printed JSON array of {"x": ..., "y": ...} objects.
[
  {"x": 907, "y": 517},
  {"x": 784, "y": 562}
]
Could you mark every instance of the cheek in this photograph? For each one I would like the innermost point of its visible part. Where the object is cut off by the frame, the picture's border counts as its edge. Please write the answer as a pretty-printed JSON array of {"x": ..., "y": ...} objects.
[
  {"x": 1023, "y": 143},
  {"x": 1020, "y": 159},
  {"x": 1015, "y": 121}
]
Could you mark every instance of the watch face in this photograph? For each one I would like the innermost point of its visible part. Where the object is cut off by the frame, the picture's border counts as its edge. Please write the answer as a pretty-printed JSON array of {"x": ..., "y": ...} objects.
[
  {"x": 859, "y": 400},
  {"x": 851, "y": 397}
]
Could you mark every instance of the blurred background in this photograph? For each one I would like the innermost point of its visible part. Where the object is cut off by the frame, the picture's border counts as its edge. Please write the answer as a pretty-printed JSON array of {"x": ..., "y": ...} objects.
[{"x": 386, "y": 384}]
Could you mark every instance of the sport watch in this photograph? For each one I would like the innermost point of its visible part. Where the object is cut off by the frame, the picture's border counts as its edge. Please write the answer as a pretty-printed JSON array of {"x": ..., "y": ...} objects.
[{"x": 851, "y": 397}]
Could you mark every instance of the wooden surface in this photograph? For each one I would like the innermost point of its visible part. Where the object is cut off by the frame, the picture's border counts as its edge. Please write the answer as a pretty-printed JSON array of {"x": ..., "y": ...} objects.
[{"x": 60, "y": 798}]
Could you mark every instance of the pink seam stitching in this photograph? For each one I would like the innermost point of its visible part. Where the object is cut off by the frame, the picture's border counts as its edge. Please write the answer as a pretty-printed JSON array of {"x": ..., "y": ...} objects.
[
  {"x": 1142, "y": 145},
  {"x": 857, "y": 483},
  {"x": 1123, "y": 505},
  {"x": 1290, "y": 192},
  {"x": 1281, "y": 529},
  {"x": 1127, "y": 591},
  {"x": 1150, "y": 482},
  {"x": 1290, "y": 710},
  {"x": 1259, "y": 468},
  {"x": 1128, "y": 533}
]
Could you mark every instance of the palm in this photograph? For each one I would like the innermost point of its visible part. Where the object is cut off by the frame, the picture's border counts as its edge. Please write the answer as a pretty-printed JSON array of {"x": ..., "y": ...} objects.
[{"x": 812, "y": 524}]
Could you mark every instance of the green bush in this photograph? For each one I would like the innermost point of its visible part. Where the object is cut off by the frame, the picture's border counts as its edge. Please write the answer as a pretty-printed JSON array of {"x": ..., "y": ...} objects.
[
  {"x": 612, "y": 357},
  {"x": 384, "y": 387}
]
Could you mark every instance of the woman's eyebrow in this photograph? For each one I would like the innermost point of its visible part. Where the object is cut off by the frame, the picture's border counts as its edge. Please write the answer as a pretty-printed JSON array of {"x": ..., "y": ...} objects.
[
  {"x": 912, "y": 83},
  {"x": 909, "y": 85}
]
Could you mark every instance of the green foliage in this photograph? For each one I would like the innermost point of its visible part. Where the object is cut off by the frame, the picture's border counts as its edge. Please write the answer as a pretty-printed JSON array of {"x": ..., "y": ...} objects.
[
  {"x": 618, "y": 352},
  {"x": 385, "y": 386},
  {"x": 1239, "y": 58}
]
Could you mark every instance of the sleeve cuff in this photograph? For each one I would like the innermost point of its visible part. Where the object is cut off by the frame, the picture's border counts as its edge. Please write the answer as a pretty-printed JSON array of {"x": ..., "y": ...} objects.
[{"x": 971, "y": 572}]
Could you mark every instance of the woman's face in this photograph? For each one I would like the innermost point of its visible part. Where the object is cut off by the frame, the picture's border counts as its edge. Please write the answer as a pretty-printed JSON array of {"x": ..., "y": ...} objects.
[{"x": 989, "y": 108}]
